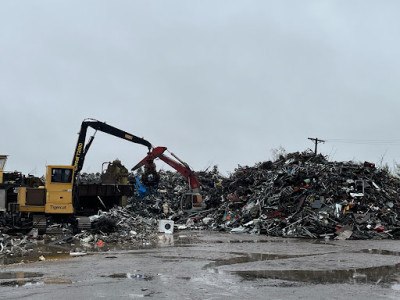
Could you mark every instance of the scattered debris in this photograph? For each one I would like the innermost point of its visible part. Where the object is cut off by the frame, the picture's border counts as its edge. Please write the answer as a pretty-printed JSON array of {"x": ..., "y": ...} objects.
[{"x": 77, "y": 253}]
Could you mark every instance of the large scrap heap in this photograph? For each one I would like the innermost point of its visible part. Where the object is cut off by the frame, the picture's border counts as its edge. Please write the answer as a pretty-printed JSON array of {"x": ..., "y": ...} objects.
[
  {"x": 303, "y": 195},
  {"x": 298, "y": 195}
]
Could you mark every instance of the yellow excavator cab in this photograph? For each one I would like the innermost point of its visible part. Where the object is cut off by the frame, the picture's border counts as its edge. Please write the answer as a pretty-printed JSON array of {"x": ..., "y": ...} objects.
[
  {"x": 59, "y": 184},
  {"x": 55, "y": 197}
]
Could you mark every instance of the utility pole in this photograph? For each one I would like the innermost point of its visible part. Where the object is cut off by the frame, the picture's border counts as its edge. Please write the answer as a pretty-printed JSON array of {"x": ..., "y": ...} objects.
[{"x": 316, "y": 141}]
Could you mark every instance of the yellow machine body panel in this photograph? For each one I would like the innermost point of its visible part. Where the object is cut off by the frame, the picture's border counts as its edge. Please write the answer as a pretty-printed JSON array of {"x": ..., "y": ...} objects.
[
  {"x": 59, "y": 185},
  {"x": 31, "y": 202}
]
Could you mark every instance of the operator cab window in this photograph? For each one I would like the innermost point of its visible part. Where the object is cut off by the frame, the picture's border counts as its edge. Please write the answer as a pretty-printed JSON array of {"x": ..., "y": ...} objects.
[
  {"x": 61, "y": 175},
  {"x": 2, "y": 162}
]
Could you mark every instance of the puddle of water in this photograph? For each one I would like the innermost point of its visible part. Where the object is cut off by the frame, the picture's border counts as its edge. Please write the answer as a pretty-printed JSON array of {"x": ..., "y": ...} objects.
[
  {"x": 57, "y": 280},
  {"x": 380, "y": 252},
  {"x": 250, "y": 241},
  {"x": 61, "y": 246},
  {"x": 32, "y": 257},
  {"x": 248, "y": 257},
  {"x": 396, "y": 287},
  {"x": 172, "y": 260},
  {"x": 15, "y": 283},
  {"x": 18, "y": 278},
  {"x": 18, "y": 275},
  {"x": 184, "y": 277},
  {"x": 261, "y": 241},
  {"x": 27, "y": 278},
  {"x": 130, "y": 276},
  {"x": 383, "y": 275}
]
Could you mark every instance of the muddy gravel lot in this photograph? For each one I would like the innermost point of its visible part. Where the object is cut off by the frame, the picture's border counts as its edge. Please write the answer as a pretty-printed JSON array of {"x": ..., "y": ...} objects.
[{"x": 209, "y": 265}]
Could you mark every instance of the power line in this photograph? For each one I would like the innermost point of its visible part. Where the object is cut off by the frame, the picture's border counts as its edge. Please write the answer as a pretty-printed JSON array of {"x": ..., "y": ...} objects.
[{"x": 365, "y": 142}]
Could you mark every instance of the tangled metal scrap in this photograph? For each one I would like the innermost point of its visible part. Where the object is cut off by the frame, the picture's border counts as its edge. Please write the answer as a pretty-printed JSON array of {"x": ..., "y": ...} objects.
[{"x": 299, "y": 195}]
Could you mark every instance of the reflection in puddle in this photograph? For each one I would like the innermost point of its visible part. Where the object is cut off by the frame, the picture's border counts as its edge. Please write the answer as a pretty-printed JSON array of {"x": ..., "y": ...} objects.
[
  {"x": 373, "y": 275},
  {"x": 57, "y": 280},
  {"x": 130, "y": 276},
  {"x": 28, "y": 278},
  {"x": 18, "y": 282},
  {"x": 61, "y": 247},
  {"x": 33, "y": 257},
  {"x": 21, "y": 278},
  {"x": 15, "y": 275},
  {"x": 383, "y": 275},
  {"x": 248, "y": 257},
  {"x": 266, "y": 241}
]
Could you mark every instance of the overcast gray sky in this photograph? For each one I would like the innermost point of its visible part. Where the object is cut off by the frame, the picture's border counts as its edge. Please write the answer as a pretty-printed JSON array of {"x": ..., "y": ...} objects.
[{"x": 217, "y": 82}]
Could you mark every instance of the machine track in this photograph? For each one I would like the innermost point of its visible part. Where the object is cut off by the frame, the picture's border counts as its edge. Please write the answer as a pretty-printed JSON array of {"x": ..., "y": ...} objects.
[{"x": 39, "y": 222}]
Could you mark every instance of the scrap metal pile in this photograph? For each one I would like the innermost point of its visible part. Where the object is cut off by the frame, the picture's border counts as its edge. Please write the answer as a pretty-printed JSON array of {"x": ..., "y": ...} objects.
[{"x": 298, "y": 195}]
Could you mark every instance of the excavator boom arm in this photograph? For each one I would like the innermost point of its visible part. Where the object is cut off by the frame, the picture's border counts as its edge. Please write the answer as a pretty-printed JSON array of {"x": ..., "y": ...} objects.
[
  {"x": 81, "y": 149},
  {"x": 192, "y": 200},
  {"x": 186, "y": 172},
  {"x": 158, "y": 152}
]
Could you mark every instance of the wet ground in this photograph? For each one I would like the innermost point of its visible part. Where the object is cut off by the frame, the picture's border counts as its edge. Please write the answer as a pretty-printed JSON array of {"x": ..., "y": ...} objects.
[{"x": 209, "y": 265}]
